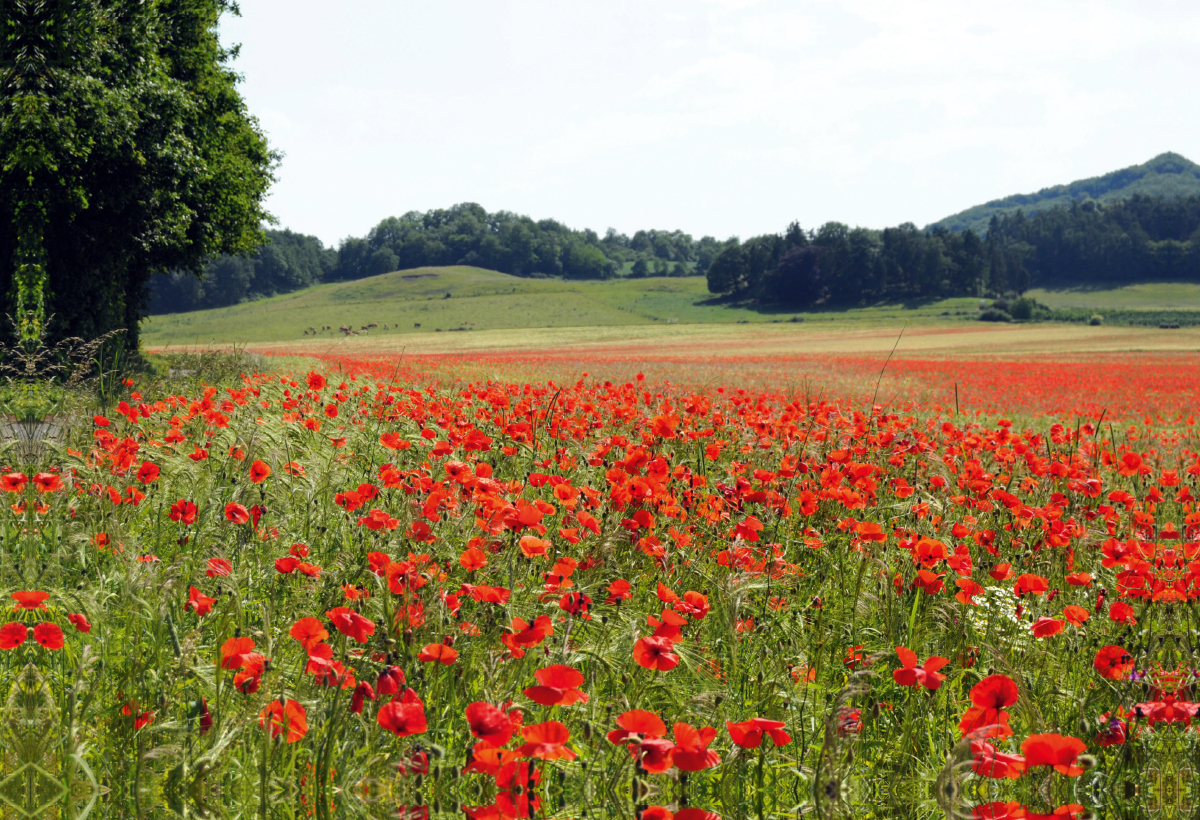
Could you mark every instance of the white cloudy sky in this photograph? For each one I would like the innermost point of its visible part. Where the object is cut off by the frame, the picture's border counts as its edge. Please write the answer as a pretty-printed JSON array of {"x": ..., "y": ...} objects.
[{"x": 713, "y": 116}]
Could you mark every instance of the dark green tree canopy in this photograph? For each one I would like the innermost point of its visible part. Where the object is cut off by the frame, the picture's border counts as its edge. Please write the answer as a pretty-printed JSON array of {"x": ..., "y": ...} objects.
[{"x": 126, "y": 149}]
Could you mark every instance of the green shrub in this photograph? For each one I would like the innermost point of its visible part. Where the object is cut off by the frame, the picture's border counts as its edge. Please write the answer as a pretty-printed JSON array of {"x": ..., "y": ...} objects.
[
  {"x": 1022, "y": 308},
  {"x": 994, "y": 315},
  {"x": 1096, "y": 319}
]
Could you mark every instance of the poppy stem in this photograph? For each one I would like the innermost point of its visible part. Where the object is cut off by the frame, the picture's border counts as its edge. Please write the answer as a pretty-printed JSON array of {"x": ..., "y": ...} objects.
[{"x": 761, "y": 761}]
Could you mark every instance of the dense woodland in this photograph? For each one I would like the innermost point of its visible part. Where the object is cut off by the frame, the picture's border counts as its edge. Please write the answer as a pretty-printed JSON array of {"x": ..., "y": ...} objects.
[{"x": 1138, "y": 239}]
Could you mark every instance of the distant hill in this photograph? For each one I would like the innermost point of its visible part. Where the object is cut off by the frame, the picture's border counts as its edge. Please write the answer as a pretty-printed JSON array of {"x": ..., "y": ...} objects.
[{"x": 1167, "y": 175}]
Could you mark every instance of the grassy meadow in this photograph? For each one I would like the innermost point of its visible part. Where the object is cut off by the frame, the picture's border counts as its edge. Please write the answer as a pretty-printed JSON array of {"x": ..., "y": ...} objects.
[
  {"x": 486, "y": 300},
  {"x": 418, "y": 307},
  {"x": 1141, "y": 296}
]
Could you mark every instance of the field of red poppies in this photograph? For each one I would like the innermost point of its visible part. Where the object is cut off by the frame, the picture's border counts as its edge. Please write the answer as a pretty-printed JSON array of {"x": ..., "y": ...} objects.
[{"x": 363, "y": 588}]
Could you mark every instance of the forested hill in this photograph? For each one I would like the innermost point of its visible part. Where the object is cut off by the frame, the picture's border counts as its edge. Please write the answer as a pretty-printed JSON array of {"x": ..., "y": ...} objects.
[
  {"x": 464, "y": 234},
  {"x": 1167, "y": 176}
]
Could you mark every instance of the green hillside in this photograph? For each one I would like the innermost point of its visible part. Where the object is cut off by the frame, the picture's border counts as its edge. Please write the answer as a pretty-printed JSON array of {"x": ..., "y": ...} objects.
[
  {"x": 1167, "y": 175},
  {"x": 415, "y": 301}
]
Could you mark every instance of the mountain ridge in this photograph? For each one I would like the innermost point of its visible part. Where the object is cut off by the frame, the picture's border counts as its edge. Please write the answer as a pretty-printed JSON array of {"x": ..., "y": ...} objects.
[{"x": 1167, "y": 175}]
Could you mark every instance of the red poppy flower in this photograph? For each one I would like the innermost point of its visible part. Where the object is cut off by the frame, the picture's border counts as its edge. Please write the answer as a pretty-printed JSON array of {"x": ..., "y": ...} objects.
[
  {"x": 986, "y": 761},
  {"x": 1113, "y": 663},
  {"x": 13, "y": 482},
  {"x": 489, "y": 723},
  {"x": 390, "y": 680},
  {"x": 618, "y": 591},
  {"x": 378, "y": 520},
  {"x": 559, "y": 686},
  {"x": 218, "y": 567},
  {"x": 199, "y": 602},
  {"x": 403, "y": 718},
  {"x": 315, "y": 380},
  {"x": 1054, "y": 750},
  {"x": 532, "y": 546},
  {"x": 13, "y": 635},
  {"x": 234, "y": 650},
  {"x": 1047, "y": 627},
  {"x": 546, "y": 741},
  {"x": 30, "y": 599},
  {"x": 1122, "y": 613},
  {"x": 49, "y": 635},
  {"x": 206, "y": 718},
  {"x": 259, "y": 472},
  {"x": 392, "y": 441},
  {"x": 183, "y": 512},
  {"x": 696, "y": 814},
  {"x": 749, "y": 734},
  {"x": 236, "y": 513},
  {"x": 691, "y": 752},
  {"x": 637, "y": 724},
  {"x": 47, "y": 482},
  {"x": 1030, "y": 584},
  {"x": 309, "y": 632},
  {"x": 989, "y": 697},
  {"x": 487, "y": 595},
  {"x": 912, "y": 675},
  {"x": 362, "y": 692},
  {"x": 288, "y": 719},
  {"x": 472, "y": 559},
  {"x": 525, "y": 635},
  {"x": 995, "y": 692},
  {"x": 438, "y": 652},
  {"x": 80, "y": 622},
  {"x": 655, "y": 653},
  {"x": 1075, "y": 615},
  {"x": 967, "y": 590},
  {"x": 350, "y": 623},
  {"x": 148, "y": 472}
]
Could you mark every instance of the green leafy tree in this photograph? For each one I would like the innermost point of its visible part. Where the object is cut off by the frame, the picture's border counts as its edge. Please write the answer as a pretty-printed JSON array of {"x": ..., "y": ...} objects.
[
  {"x": 727, "y": 273},
  {"x": 586, "y": 262},
  {"x": 126, "y": 149}
]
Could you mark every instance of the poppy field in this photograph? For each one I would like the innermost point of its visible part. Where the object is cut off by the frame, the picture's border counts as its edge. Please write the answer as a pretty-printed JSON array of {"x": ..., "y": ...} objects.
[{"x": 363, "y": 588}]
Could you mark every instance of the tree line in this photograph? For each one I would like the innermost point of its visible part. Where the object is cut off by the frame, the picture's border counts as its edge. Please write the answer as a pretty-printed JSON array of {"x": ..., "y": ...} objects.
[
  {"x": 1138, "y": 239},
  {"x": 465, "y": 234}
]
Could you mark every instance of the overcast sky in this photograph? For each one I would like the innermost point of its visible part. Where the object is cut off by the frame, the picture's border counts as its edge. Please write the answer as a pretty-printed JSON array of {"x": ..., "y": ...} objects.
[{"x": 717, "y": 117}]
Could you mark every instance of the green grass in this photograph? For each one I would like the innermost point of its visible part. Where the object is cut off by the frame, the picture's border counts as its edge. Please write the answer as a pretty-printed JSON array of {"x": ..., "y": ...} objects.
[
  {"x": 1143, "y": 296},
  {"x": 484, "y": 300}
]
